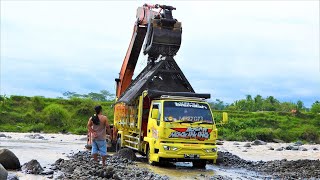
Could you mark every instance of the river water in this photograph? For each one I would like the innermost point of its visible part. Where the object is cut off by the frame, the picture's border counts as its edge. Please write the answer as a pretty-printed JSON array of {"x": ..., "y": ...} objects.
[{"x": 55, "y": 146}]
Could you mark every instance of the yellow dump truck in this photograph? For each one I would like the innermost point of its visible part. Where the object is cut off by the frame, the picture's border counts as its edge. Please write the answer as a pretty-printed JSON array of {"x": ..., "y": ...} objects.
[
  {"x": 168, "y": 127},
  {"x": 158, "y": 113}
]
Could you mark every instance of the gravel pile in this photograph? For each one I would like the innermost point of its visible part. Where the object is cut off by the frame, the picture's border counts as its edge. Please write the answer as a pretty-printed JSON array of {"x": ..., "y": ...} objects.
[
  {"x": 282, "y": 169},
  {"x": 82, "y": 166}
]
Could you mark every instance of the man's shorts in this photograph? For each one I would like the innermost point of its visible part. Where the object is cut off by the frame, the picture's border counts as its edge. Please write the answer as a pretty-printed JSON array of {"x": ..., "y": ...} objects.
[{"x": 99, "y": 146}]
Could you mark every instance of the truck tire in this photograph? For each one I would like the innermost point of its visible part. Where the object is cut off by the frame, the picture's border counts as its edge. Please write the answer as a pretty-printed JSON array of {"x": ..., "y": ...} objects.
[
  {"x": 148, "y": 157},
  {"x": 118, "y": 145},
  {"x": 199, "y": 164}
]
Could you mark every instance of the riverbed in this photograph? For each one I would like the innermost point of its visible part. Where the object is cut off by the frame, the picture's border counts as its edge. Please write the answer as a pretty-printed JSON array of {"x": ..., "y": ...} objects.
[{"x": 54, "y": 146}]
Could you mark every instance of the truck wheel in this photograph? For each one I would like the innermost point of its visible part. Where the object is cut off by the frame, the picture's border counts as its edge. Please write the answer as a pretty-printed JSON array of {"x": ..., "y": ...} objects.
[
  {"x": 118, "y": 145},
  {"x": 199, "y": 164},
  {"x": 148, "y": 158}
]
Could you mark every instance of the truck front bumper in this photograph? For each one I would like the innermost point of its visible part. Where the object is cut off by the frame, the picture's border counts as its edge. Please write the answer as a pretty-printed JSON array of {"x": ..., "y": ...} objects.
[{"x": 186, "y": 152}]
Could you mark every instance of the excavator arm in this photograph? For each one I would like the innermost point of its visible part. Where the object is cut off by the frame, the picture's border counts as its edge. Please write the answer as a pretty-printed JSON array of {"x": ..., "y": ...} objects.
[{"x": 158, "y": 32}]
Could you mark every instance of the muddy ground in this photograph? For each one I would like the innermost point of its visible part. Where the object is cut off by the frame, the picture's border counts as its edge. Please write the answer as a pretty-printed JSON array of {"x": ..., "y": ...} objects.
[
  {"x": 81, "y": 166},
  {"x": 237, "y": 160}
]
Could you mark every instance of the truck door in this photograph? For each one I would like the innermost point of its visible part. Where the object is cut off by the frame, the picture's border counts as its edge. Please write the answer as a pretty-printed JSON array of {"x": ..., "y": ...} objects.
[{"x": 154, "y": 120}]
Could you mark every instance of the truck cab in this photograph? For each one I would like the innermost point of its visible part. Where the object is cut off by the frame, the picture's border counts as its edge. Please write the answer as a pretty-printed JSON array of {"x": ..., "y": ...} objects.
[{"x": 168, "y": 128}]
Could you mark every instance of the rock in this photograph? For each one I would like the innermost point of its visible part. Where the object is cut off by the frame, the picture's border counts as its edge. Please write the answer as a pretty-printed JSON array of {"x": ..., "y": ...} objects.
[
  {"x": 278, "y": 141},
  {"x": 58, "y": 175},
  {"x": 315, "y": 149},
  {"x": 9, "y": 160},
  {"x": 12, "y": 177},
  {"x": 247, "y": 145},
  {"x": 244, "y": 151},
  {"x": 295, "y": 148},
  {"x": 298, "y": 143},
  {"x": 3, "y": 172},
  {"x": 289, "y": 147},
  {"x": 259, "y": 142},
  {"x": 109, "y": 172},
  {"x": 3, "y": 135},
  {"x": 270, "y": 148},
  {"x": 35, "y": 136},
  {"x": 83, "y": 139},
  {"x": 219, "y": 143},
  {"x": 38, "y": 137},
  {"x": 304, "y": 149},
  {"x": 236, "y": 143},
  {"x": 47, "y": 172},
  {"x": 32, "y": 167},
  {"x": 126, "y": 153},
  {"x": 279, "y": 149}
]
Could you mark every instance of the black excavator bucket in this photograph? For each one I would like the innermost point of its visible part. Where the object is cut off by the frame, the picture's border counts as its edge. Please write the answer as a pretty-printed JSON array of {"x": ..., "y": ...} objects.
[{"x": 163, "y": 38}]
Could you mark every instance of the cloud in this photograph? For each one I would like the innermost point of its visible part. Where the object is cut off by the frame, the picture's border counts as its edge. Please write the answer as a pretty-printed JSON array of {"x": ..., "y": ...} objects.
[{"x": 229, "y": 48}]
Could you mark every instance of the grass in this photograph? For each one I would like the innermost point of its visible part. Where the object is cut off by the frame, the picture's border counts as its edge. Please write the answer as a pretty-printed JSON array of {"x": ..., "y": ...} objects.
[
  {"x": 248, "y": 126},
  {"x": 50, "y": 115}
]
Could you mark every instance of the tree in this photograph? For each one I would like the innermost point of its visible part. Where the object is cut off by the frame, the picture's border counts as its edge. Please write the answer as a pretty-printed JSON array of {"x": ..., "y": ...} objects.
[
  {"x": 315, "y": 108},
  {"x": 218, "y": 105},
  {"x": 258, "y": 101},
  {"x": 69, "y": 94},
  {"x": 300, "y": 105},
  {"x": 108, "y": 96},
  {"x": 287, "y": 106},
  {"x": 104, "y": 95},
  {"x": 97, "y": 96},
  {"x": 271, "y": 104}
]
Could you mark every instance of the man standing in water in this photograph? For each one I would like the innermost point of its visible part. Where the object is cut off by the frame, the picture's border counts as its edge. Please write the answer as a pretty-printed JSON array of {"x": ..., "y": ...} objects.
[{"x": 97, "y": 126}]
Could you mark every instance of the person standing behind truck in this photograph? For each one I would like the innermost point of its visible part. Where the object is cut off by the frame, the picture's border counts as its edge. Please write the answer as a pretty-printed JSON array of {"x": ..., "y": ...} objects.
[{"x": 97, "y": 126}]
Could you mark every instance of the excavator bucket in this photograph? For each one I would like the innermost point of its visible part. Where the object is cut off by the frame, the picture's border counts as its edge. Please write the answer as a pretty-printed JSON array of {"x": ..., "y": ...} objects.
[{"x": 163, "y": 38}]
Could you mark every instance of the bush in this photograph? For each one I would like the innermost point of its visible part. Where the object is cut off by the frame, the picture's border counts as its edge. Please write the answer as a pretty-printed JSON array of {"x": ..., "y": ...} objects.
[
  {"x": 86, "y": 108},
  {"x": 31, "y": 117},
  {"x": 56, "y": 115},
  {"x": 75, "y": 101},
  {"x": 80, "y": 130},
  {"x": 310, "y": 133},
  {"x": 37, "y": 127},
  {"x": 38, "y": 103}
]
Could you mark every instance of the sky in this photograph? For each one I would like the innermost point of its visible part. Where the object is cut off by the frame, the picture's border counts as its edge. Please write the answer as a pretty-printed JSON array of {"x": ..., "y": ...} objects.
[{"x": 229, "y": 48}]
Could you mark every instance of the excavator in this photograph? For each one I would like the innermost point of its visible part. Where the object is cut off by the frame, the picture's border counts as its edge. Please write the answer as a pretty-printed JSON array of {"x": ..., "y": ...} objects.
[
  {"x": 159, "y": 32},
  {"x": 158, "y": 114}
]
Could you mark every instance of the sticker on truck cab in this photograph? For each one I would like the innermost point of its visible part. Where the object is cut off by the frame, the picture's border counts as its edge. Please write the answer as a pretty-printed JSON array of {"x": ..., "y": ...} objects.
[{"x": 198, "y": 133}]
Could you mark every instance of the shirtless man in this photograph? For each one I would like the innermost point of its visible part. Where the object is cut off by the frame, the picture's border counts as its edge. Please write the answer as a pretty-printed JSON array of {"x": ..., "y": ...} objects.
[{"x": 97, "y": 125}]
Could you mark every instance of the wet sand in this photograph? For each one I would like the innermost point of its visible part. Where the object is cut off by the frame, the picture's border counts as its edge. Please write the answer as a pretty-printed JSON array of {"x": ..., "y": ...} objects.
[{"x": 46, "y": 151}]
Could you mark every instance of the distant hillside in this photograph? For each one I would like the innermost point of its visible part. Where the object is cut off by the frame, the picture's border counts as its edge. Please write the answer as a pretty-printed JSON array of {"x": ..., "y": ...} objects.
[{"x": 27, "y": 114}]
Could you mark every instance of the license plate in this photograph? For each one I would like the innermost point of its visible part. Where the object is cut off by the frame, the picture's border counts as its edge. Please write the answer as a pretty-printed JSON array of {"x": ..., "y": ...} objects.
[{"x": 192, "y": 156}]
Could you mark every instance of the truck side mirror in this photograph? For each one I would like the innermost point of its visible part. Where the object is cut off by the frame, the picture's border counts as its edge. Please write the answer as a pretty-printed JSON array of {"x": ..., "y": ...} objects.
[
  {"x": 154, "y": 113},
  {"x": 225, "y": 118}
]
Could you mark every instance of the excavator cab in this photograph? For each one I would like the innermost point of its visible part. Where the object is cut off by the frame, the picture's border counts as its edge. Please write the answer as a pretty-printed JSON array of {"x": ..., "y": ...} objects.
[{"x": 163, "y": 34}]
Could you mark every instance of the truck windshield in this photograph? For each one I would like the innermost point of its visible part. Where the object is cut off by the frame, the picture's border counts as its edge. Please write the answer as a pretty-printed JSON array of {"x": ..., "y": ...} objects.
[{"x": 187, "y": 111}]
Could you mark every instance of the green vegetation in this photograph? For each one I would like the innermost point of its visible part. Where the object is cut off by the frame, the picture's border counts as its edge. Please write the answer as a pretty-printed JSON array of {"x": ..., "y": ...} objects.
[
  {"x": 249, "y": 119},
  {"x": 268, "y": 119},
  {"x": 268, "y": 126},
  {"x": 258, "y": 103},
  {"x": 51, "y": 115}
]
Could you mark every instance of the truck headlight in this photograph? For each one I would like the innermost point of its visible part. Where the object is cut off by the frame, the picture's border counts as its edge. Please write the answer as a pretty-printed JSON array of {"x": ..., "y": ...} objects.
[
  {"x": 174, "y": 148},
  {"x": 167, "y": 148},
  {"x": 211, "y": 150}
]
